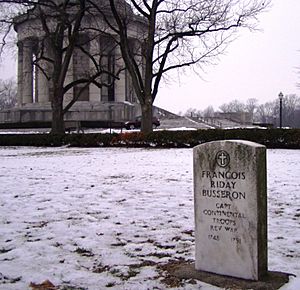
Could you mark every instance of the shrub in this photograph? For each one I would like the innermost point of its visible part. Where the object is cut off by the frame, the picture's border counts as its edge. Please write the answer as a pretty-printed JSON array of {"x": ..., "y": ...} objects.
[{"x": 272, "y": 138}]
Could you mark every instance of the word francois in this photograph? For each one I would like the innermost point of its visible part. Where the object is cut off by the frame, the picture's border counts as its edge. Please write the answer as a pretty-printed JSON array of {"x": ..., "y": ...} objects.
[{"x": 223, "y": 174}]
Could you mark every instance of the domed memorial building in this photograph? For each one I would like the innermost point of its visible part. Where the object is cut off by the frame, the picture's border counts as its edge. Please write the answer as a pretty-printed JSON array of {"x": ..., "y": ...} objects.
[{"x": 76, "y": 47}]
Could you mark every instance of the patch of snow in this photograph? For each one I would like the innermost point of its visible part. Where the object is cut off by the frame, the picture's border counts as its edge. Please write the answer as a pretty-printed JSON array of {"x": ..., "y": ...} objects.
[
  {"x": 25, "y": 131},
  {"x": 180, "y": 129},
  {"x": 105, "y": 217}
]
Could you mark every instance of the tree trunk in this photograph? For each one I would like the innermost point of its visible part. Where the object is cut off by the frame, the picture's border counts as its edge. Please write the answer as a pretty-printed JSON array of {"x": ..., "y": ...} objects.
[
  {"x": 58, "y": 125},
  {"x": 147, "y": 114}
]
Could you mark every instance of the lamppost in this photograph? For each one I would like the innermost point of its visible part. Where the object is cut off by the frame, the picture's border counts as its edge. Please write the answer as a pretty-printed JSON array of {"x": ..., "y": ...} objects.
[{"x": 280, "y": 109}]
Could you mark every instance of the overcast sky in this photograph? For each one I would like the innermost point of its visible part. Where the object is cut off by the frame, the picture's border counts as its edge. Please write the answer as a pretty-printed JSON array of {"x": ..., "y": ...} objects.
[{"x": 256, "y": 65}]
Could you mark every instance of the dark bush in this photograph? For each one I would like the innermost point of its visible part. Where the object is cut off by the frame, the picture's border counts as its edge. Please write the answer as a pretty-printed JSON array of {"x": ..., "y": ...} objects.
[{"x": 272, "y": 138}]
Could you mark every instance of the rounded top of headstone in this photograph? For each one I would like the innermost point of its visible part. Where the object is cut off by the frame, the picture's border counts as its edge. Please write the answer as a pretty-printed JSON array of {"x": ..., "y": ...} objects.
[{"x": 236, "y": 142}]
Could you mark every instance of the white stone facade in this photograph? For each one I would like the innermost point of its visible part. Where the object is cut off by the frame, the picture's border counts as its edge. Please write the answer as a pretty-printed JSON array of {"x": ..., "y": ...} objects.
[{"x": 34, "y": 73}]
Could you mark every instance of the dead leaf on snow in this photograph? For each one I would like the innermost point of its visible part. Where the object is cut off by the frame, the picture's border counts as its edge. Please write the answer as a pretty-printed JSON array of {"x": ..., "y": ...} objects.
[{"x": 46, "y": 285}]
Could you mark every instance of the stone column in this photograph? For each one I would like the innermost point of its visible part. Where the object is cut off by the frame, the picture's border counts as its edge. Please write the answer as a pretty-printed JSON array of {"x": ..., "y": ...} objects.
[
  {"x": 130, "y": 92},
  {"x": 120, "y": 85},
  {"x": 95, "y": 92},
  {"x": 36, "y": 82},
  {"x": 42, "y": 82},
  {"x": 20, "y": 73},
  {"x": 69, "y": 78},
  {"x": 27, "y": 84}
]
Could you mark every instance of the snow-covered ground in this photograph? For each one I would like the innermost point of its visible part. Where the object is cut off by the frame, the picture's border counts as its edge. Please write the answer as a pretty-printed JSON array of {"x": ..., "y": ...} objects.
[{"x": 107, "y": 217}]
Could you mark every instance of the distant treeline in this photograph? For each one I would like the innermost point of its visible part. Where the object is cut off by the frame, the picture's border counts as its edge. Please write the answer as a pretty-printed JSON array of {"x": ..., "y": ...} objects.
[{"x": 267, "y": 113}]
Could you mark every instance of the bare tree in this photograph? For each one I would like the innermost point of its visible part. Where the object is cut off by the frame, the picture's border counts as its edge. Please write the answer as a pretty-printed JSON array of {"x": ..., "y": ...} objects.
[
  {"x": 192, "y": 112},
  {"x": 8, "y": 94},
  {"x": 63, "y": 34},
  {"x": 173, "y": 35},
  {"x": 251, "y": 107},
  {"x": 234, "y": 106},
  {"x": 290, "y": 110},
  {"x": 269, "y": 111},
  {"x": 224, "y": 108},
  {"x": 209, "y": 112},
  {"x": 266, "y": 113},
  {"x": 177, "y": 34}
]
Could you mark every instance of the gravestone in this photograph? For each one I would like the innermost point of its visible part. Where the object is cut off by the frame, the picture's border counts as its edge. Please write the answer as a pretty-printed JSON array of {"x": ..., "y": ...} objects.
[{"x": 231, "y": 208}]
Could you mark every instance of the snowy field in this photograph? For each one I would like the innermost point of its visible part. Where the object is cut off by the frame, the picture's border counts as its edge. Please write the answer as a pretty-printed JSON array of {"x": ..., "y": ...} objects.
[{"x": 105, "y": 218}]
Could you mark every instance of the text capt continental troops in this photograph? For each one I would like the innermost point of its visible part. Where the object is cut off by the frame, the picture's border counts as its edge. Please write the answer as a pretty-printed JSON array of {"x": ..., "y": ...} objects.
[{"x": 223, "y": 184}]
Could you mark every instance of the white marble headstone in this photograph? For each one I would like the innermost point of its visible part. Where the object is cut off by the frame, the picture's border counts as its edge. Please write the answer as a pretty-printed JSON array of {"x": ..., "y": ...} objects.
[{"x": 231, "y": 208}]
